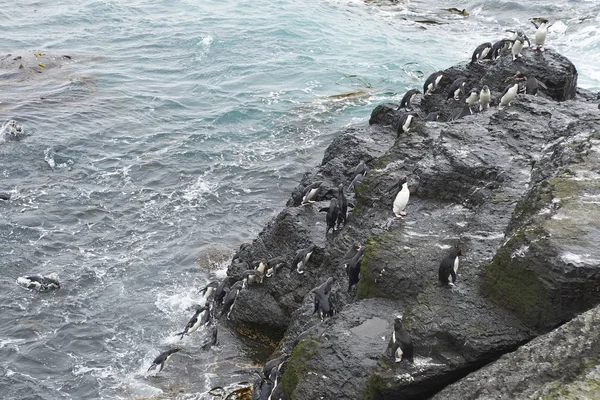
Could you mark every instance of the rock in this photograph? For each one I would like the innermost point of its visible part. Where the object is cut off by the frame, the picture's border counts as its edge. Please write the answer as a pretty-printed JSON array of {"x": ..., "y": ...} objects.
[{"x": 562, "y": 364}]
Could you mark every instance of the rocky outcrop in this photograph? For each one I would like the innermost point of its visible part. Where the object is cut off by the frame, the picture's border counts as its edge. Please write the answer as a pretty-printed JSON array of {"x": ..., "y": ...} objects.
[
  {"x": 489, "y": 181},
  {"x": 562, "y": 364}
]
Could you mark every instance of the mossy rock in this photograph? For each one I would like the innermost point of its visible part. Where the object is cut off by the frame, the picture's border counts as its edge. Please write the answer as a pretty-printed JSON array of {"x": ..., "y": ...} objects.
[
  {"x": 296, "y": 367},
  {"x": 367, "y": 287}
]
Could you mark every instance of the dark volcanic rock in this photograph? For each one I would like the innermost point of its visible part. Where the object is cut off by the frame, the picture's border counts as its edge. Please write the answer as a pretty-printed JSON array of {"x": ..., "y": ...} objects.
[
  {"x": 562, "y": 364},
  {"x": 478, "y": 181}
]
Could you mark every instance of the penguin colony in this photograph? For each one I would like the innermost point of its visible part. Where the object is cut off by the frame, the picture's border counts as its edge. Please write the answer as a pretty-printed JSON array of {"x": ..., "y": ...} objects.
[{"x": 218, "y": 297}]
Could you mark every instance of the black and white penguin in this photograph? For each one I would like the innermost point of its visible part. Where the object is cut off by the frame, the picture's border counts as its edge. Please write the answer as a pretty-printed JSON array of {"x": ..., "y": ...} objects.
[
  {"x": 200, "y": 318},
  {"x": 221, "y": 291},
  {"x": 310, "y": 192},
  {"x": 250, "y": 277},
  {"x": 457, "y": 89},
  {"x": 342, "y": 205},
  {"x": 401, "y": 343},
  {"x": 484, "y": 98},
  {"x": 333, "y": 212},
  {"x": 277, "y": 393},
  {"x": 531, "y": 85},
  {"x": 508, "y": 95},
  {"x": 356, "y": 183},
  {"x": 352, "y": 251},
  {"x": 302, "y": 257},
  {"x": 432, "y": 82},
  {"x": 401, "y": 197},
  {"x": 361, "y": 169},
  {"x": 515, "y": 33},
  {"x": 322, "y": 299},
  {"x": 432, "y": 116},
  {"x": 39, "y": 283},
  {"x": 405, "y": 122},
  {"x": 241, "y": 251},
  {"x": 541, "y": 25},
  {"x": 481, "y": 52},
  {"x": 273, "y": 265},
  {"x": 274, "y": 363},
  {"x": 211, "y": 340},
  {"x": 472, "y": 99},
  {"x": 498, "y": 48},
  {"x": 449, "y": 266},
  {"x": 230, "y": 299},
  {"x": 408, "y": 98},
  {"x": 267, "y": 385},
  {"x": 163, "y": 358},
  {"x": 208, "y": 290},
  {"x": 4, "y": 196},
  {"x": 518, "y": 45},
  {"x": 352, "y": 267}
]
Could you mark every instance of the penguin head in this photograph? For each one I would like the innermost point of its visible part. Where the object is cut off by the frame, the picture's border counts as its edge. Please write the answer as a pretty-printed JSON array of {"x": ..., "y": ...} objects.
[
  {"x": 403, "y": 180},
  {"x": 485, "y": 88},
  {"x": 357, "y": 246},
  {"x": 459, "y": 251}
]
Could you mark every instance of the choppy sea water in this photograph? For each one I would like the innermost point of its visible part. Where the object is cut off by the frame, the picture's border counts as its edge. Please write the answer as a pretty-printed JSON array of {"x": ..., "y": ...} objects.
[{"x": 172, "y": 132}]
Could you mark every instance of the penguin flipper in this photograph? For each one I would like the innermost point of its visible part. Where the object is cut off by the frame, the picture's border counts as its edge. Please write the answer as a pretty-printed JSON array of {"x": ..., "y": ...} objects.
[
  {"x": 453, "y": 275},
  {"x": 162, "y": 365},
  {"x": 152, "y": 366}
]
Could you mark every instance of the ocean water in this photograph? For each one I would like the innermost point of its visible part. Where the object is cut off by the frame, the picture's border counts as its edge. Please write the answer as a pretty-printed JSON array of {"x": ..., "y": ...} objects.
[{"x": 159, "y": 135}]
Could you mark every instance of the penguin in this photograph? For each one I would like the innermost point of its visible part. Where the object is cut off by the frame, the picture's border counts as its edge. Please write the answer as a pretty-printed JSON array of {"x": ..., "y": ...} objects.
[
  {"x": 449, "y": 266},
  {"x": 457, "y": 89},
  {"x": 211, "y": 341},
  {"x": 250, "y": 276},
  {"x": 274, "y": 363},
  {"x": 200, "y": 318},
  {"x": 532, "y": 85},
  {"x": 484, "y": 98},
  {"x": 515, "y": 34},
  {"x": 323, "y": 302},
  {"x": 460, "y": 113},
  {"x": 163, "y": 358},
  {"x": 508, "y": 95},
  {"x": 517, "y": 47},
  {"x": 401, "y": 342},
  {"x": 38, "y": 283},
  {"x": 273, "y": 265},
  {"x": 408, "y": 98},
  {"x": 481, "y": 52},
  {"x": 242, "y": 249},
  {"x": 498, "y": 48},
  {"x": 356, "y": 183},
  {"x": 302, "y": 257},
  {"x": 266, "y": 385},
  {"x": 208, "y": 290},
  {"x": 221, "y": 291},
  {"x": 333, "y": 212},
  {"x": 432, "y": 82},
  {"x": 342, "y": 205},
  {"x": 353, "y": 250},
  {"x": 472, "y": 99},
  {"x": 4, "y": 196},
  {"x": 401, "y": 197},
  {"x": 230, "y": 299},
  {"x": 277, "y": 393},
  {"x": 361, "y": 169},
  {"x": 310, "y": 192},
  {"x": 323, "y": 289},
  {"x": 433, "y": 116},
  {"x": 405, "y": 122},
  {"x": 540, "y": 33},
  {"x": 353, "y": 268}
]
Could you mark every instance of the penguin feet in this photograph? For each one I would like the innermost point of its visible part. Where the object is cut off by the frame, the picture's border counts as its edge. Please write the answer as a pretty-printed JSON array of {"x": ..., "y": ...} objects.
[
  {"x": 534, "y": 47},
  {"x": 450, "y": 284},
  {"x": 542, "y": 49}
]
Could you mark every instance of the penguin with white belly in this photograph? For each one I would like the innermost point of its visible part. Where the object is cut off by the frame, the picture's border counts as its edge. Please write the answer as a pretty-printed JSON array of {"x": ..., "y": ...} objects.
[
  {"x": 163, "y": 358},
  {"x": 401, "y": 343},
  {"x": 401, "y": 197},
  {"x": 449, "y": 266}
]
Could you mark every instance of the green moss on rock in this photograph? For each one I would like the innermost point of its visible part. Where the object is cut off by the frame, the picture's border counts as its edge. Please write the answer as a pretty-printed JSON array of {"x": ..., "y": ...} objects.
[
  {"x": 367, "y": 287},
  {"x": 296, "y": 368}
]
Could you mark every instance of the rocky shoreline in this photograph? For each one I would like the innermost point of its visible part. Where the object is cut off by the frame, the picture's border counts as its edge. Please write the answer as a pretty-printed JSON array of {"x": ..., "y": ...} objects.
[{"x": 518, "y": 187}]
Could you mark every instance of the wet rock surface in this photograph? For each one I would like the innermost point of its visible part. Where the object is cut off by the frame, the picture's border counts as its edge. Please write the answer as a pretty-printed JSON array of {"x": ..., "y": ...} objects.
[{"x": 480, "y": 181}]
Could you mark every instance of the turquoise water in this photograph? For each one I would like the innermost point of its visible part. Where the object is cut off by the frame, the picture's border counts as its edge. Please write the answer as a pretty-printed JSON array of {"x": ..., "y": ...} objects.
[{"x": 177, "y": 129}]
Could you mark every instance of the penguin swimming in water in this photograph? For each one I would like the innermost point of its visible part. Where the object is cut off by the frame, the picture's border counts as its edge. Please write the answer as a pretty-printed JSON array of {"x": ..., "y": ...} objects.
[
  {"x": 302, "y": 257},
  {"x": 352, "y": 267},
  {"x": 39, "y": 283},
  {"x": 481, "y": 52},
  {"x": 405, "y": 121},
  {"x": 401, "y": 343},
  {"x": 163, "y": 358},
  {"x": 310, "y": 192},
  {"x": 508, "y": 95},
  {"x": 4, "y": 196},
  {"x": 201, "y": 317},
  {"x": 472, "y": 99},
  {"x": 540, "y": 33},
  {"x": 457, "y": 89},
  {"x": 432, "y": 82},
  {"x": 484, "y": 98},
  {"x": 449, "y": 266},
  {"x": 408, "y": 98},
  {"x": 342, "y": 205},
  {"x": 401, "y": 197},
  {"x": 230, "y": 299}
]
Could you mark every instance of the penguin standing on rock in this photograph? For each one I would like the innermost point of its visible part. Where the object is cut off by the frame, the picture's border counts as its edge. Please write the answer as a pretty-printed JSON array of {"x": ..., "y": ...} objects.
[
  {"x": 401, "y": 343},
  {"x": 230, "y": 299},
  {"x": 432, "y": 82},
  {"x": 518, "y": 45},
  {"x": 481, "y": 52},
  {"x": 356, "y": 183},
  {"x": 405, "y": 122},
  {"x": 509, "y": 94},
  {"x": 211, "y": 341},
  {"x": 498, "y": 48},
  {"x": 540, "y": 33},
  {"x": 457, "y": 89},
  {"x": 302, "y": 257},
  {"x": 163, "y": 358},
  {"x": 352, "y": 267},
  {"x": 408, "y": 98},
  {"x": 472, "y": 99},
  {"x": 401, "y": 197},
  {"x": 333, "y": 212},
  {"x": 310, "y": 192},
  {"x": 273, "y": 265},
  {"x": 322, "y": 300},
  {"x": 484, "y": 98},
  {"x": 342, "y": 203},
  {"x": 449, "y": 266}
]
